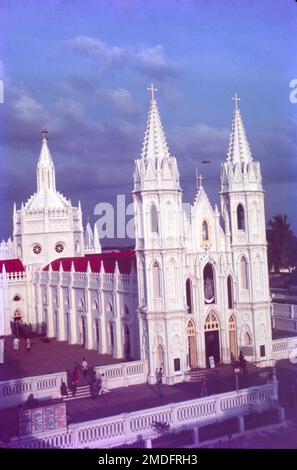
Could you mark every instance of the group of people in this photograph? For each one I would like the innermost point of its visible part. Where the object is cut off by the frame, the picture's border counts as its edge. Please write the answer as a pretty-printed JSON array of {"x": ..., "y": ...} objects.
[
  {"x": 16, "y": 344},
  {"x": 98, "y": 384}
]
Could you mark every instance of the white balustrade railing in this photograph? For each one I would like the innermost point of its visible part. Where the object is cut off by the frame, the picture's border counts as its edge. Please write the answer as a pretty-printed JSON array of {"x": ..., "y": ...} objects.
[
  {"x": 14, "y": 392},
  {"x": 127, "y": 427},
  {"x": 282, "y": 348},
  {"x": 124, "y": 374}
]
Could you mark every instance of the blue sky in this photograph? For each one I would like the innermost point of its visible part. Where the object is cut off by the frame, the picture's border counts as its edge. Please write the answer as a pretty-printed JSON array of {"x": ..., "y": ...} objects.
[{"x": 82, "y": 69}]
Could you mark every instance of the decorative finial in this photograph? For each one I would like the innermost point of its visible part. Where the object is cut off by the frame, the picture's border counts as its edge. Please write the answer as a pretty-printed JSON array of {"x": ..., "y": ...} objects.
[
  {"x": 236, "y": 99},
  {"x": 44, "y": 133},
  {"x": 152, "y": 89},
  {"x": 199, "y": 179}
]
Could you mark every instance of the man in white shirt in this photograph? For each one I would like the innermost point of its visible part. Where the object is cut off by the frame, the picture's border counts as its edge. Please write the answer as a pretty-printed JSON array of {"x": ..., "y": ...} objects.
[
  {"x": 16, "y": 343},
  {"x": 84, "y": 366}
]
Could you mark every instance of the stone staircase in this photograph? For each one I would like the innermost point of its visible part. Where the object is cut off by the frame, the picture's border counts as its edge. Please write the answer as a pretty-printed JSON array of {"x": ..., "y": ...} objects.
[
  {"x": 220, "y": 371},
  {"x": 82, "y": 391}
]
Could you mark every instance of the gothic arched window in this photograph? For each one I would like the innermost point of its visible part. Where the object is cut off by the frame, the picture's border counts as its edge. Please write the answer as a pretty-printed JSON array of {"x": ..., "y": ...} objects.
[
  {"x": 209, "y": 284},
  {"x": 154, "y": 219},
  {"x": 230, "y": 291},
  {"x": 243, "y": 273},
  {"x": 189, "y": 297},
  {"x": 156, "y": 280},
  {"x": 240, "y": 217},
  {"x": 205, "y": 231}
]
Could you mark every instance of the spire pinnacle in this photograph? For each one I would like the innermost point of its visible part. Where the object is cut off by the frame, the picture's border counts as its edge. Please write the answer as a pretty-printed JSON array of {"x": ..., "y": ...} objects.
[
  {"x": 239, "y": 150},
  {"x": 154, "y": 146}
]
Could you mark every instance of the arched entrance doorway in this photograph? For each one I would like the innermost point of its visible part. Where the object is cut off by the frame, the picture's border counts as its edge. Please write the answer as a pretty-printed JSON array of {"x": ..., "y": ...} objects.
[
  {"x": 127, "y": 345},
  {"x": 192, "y": 344},
  {"x": 212, "y": 338},
  {"x": 16, "y": 324},
  {"x": 233, "y": 338},
  {"x": 83, "y": 331}
]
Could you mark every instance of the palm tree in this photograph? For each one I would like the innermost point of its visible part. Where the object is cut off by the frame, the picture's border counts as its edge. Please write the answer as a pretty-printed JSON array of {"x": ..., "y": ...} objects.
[{"x": 282, "y": 243}]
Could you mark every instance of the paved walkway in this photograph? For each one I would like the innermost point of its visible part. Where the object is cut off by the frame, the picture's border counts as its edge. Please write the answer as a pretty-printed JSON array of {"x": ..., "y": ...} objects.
[{"x": 47, "y": 358}]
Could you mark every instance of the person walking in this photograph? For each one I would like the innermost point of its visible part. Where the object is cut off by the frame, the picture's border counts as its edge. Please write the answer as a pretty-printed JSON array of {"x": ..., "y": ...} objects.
[
  {"x": 84, "y": 366},
  {"x": 160, "y": 382},
  {"x": 28, "y": 344}
]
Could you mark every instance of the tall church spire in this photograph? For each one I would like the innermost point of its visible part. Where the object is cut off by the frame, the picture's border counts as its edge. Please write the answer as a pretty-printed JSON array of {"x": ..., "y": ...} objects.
[
  {"x": 239, "y": 150},
  {"x": 154, "y": 146},
  {"x": 46, "y": 179}
]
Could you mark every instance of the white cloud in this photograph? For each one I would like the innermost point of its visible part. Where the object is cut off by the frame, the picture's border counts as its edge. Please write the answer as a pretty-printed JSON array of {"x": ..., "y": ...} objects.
[
  {"x": 95, "y": 47},
  {"x": 120, "y": 98},
  {"x": 151, "y": 61}
]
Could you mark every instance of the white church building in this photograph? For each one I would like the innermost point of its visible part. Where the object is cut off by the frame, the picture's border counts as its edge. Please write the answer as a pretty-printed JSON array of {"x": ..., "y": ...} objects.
[{"x": 195, "y": 289}]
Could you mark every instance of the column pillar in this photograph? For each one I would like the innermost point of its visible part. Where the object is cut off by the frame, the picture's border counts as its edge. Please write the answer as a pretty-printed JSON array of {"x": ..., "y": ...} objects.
[
  {"x": 61, "y": 320},
  {"x": 89, "y": 320},
  {"x": 73, "y": 320}
]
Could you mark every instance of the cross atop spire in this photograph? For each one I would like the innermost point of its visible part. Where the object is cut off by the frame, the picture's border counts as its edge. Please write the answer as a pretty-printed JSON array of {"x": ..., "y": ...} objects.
[
  {"x": 236, "y": 99},
  {"x": 152, "y": 89},
  {"x": 199, "y": 179},
  {"x": 44, "y": 133}
]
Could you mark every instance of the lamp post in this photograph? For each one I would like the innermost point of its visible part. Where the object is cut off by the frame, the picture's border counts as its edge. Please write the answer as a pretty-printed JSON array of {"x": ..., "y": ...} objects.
[{"x": 236, "y": 371}]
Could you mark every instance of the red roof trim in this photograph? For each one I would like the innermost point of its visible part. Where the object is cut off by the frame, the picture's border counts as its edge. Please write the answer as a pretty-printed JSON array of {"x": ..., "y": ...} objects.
[
  {"x": 12, "y": 266},
  {"x": 124, "y": 260}
]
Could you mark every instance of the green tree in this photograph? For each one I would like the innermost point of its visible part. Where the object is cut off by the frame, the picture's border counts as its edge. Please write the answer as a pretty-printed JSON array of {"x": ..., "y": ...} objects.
[{"x": 282, "y": 244}]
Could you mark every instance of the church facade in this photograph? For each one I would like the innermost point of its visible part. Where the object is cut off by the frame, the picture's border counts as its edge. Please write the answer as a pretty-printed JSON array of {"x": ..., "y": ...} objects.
[{"x": 193, "y": 293}]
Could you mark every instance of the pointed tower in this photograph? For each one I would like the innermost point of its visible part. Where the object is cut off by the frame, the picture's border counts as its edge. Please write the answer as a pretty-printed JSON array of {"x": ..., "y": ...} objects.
[
  {"x": 242, "y": 207},
  {"x": 47, "y": 226},
  {"x": 46, "y": 178},
  {"x": 160, "y": 252}
]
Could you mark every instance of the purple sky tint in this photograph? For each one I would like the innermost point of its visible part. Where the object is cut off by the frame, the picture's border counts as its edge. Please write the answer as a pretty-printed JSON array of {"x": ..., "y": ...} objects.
[{"x": 82, "y": 69}]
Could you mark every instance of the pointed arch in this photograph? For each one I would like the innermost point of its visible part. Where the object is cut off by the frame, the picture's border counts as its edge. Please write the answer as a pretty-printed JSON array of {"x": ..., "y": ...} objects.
[
  {"x": 192, "y": 344},
  {"x": 211, "y": 322},
  {"x": 108, "y": 307},
  {"x": 244, "y": 284},
  {"x": 156, "y": 275},
  {"x": 154, "y": 219},
  {"x": 240, "y": 217},
  {"x": 189, "y": 295},
  {"x": 205, "y": 231},
  {"x": 212, "y": 338},
  {"x": 233, "y": 338},
  {"x": 95, "y": 305},
  {"x": 17, "y": 297},
  {"x": 209, "y": 284}
]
